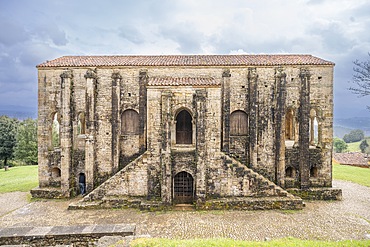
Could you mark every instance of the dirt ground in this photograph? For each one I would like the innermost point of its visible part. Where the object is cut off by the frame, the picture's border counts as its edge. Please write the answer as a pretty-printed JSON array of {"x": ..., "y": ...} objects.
[{"x": 335, "y": 220}]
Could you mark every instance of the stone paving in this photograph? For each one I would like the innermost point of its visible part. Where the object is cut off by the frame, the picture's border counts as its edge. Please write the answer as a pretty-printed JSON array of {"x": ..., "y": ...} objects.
[
  {"x": 330, "y": 220},
  {"x": 53, "y": 235}
]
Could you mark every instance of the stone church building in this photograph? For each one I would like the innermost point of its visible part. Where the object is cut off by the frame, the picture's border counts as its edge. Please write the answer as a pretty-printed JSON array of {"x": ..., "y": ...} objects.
[{"x": 215, "y": 131}]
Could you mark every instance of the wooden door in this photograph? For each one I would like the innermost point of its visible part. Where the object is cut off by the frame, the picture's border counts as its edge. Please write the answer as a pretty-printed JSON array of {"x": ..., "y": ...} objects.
[{"x": 183, "y": 188}]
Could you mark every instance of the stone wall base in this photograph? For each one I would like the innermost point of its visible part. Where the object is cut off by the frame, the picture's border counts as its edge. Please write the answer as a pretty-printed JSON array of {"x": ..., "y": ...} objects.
[
  {"x": 261, "y": 203},
  {"x": 241, "y": 203},
  {"x": 120, "y": 202},
  {"x": 47, "y": 193},
  {"x": 317, "y": 193}
]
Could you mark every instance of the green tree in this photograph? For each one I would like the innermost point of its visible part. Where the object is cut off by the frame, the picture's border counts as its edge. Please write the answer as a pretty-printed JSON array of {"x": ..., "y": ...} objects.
[
  {"x": 339, "y": 145},
  {"x": 354, "y": 136},
  {"x": 26, "y": 148},
  {"x": 363, "y": 146},
  {"x": 8, "y": 128}
]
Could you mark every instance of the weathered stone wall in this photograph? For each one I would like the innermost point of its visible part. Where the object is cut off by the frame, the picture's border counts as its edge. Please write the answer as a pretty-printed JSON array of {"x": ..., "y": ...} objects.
[
  {"x": 101, "y": 95},
  {"x": 230, "y": 178},
  {"x": 131, "y": 181}
]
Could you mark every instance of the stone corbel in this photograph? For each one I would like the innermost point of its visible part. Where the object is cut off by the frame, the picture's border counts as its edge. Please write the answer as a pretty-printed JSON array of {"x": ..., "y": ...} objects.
[
  {"x": 226, "y": 73},
  {"x": 280, "y": 73},
  {"x": 304, "y": 73},
  {"x": 252, "y": 74},
  {"x": 90, "y": 73},
  {"x": 66, "y": 74}
]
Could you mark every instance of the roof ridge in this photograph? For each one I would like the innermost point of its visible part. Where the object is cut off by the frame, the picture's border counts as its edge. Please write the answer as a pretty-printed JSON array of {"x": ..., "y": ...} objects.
[{"x": 185, "y": 60}]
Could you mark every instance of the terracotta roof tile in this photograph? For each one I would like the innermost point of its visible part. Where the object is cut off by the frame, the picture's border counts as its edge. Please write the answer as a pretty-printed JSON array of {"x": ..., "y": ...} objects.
[
  {"x": 182, "y": 81},
  {"x": 185, "y": 60},
  {"x": 353, "y": 158}
]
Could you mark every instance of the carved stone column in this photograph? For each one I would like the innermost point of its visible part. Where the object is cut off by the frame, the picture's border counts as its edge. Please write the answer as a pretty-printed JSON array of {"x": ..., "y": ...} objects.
[
  {"x": 143, "y": 82},
  {"x": 304, "y": 128},
  {"x": 200, "y": 98},
  {"x": 225, "y": 124},
  {"x": 66, "y": 132},
  {"x": 253, "y": 111},
  {"x": 166, "y": 188},
  {"x": 116, "y": 120},
  {"x": 90, "y": 129},
  {"x": 280, "y": 80}
]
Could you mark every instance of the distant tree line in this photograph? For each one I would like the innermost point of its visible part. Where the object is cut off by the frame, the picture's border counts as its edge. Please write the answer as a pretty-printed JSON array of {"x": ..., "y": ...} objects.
[
  {"x": 341, "y": 145},
  {"x": 18, "y": 141},
  {"x": 354, "y": 136}
]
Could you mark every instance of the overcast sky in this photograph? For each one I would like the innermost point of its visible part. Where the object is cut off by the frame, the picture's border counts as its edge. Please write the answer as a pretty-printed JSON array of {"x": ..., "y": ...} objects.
[{"x": 39, "y": 30}]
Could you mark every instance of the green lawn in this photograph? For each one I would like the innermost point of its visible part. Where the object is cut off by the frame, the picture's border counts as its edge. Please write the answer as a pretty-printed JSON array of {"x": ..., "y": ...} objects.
[
  {"x": 354, "y": 147},
  {"x": 290, "y": 242},
  {"x": 19, "y": 178},
  {"x": 351, "y": 173}
]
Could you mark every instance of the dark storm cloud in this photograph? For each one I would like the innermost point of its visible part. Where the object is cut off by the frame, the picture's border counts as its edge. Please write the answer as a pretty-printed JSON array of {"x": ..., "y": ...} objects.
[
  {"x": 132, "y": 33},
  {"x": 186, "y": 36},
  {"x": 39, "y": 30},
  {"x": 11, "y": 32},
  {"x": 333, "y": 37}
]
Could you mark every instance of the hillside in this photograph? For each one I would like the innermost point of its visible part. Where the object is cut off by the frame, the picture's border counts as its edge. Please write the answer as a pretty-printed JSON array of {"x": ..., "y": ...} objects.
[
  {"x": 344, "y": 126},
  {"x": 19, "y": 112}
]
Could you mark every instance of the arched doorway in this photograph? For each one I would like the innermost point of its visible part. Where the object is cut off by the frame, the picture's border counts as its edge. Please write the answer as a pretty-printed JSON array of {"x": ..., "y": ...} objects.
[
  {"x": 183, "y": 189},
  {"x": 184, "y": 128}
]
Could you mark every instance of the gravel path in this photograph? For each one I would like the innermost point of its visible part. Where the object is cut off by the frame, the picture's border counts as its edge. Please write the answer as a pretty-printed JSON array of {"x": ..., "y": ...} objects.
[
  {"x": 12, "y": 201},
  {"x": 339, "y": 220}
]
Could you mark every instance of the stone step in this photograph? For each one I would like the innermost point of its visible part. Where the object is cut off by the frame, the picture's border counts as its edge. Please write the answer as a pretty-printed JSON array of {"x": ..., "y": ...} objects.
[
  {"x": 184, "y": 207},
  {"x": 78, "y": 235}
]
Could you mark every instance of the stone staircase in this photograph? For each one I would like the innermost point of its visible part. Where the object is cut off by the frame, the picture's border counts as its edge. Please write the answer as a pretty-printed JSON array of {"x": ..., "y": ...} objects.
[
  {"x": 264, "y": 195},
  {"x": 126, "y": 189}
]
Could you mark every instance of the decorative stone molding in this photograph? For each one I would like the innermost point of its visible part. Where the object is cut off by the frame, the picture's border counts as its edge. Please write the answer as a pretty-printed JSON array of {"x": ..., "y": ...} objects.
[
  {"x": 116, "y": 76},
  {"x": 280, "y": 73},
  {"x": 67, "y": 74},
  {"x": 252, "y": 73},
  {"x": 304, "y": 73},
  {"x": 90, "y": 73},
  {"x": 226, "y": 73}
]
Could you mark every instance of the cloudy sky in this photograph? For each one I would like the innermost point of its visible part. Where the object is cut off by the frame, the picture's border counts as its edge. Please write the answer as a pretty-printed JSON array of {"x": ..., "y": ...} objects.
[{"x": 39, "y": 30}]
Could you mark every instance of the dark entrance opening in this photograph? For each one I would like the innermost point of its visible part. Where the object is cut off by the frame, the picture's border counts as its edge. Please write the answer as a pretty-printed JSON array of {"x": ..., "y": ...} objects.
[
  {"x": 82, "y": 183},
  {"x": 184, "y": 128},
  {"x": 183, "y": 188}
]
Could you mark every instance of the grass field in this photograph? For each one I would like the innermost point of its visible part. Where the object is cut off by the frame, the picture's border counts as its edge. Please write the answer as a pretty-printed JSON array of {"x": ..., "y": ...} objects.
[
  {"x": 355, "y": 146},
  {"x": 19, "y": 178},
  {"x": 289, "y": 242},
  {"x": 351, "y": 173}
]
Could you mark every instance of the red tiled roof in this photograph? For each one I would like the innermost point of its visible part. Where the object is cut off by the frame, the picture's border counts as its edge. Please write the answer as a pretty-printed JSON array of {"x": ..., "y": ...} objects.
[
  {"x": 353, "y": 158},
  {"x": 182, "y": 81},
  {"x": 185, "y": 60}
]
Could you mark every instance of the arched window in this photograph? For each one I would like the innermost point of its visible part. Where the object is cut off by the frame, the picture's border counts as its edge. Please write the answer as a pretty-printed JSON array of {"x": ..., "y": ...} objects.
[
  {"x": 313, "y": 172},
  {"x": 184, "y": 128},
  {"x": 289, "y": 124},
  {"x": 55, "y": 131},
  {"x": 81, "y": 124},
  {"x": 290, "y": 172},
  {"x": 314, "y": 128},
  {"x": 130, "y": 122},
  {"x": 55, "y": 173},
  {"x": 238, "y": 123}
]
